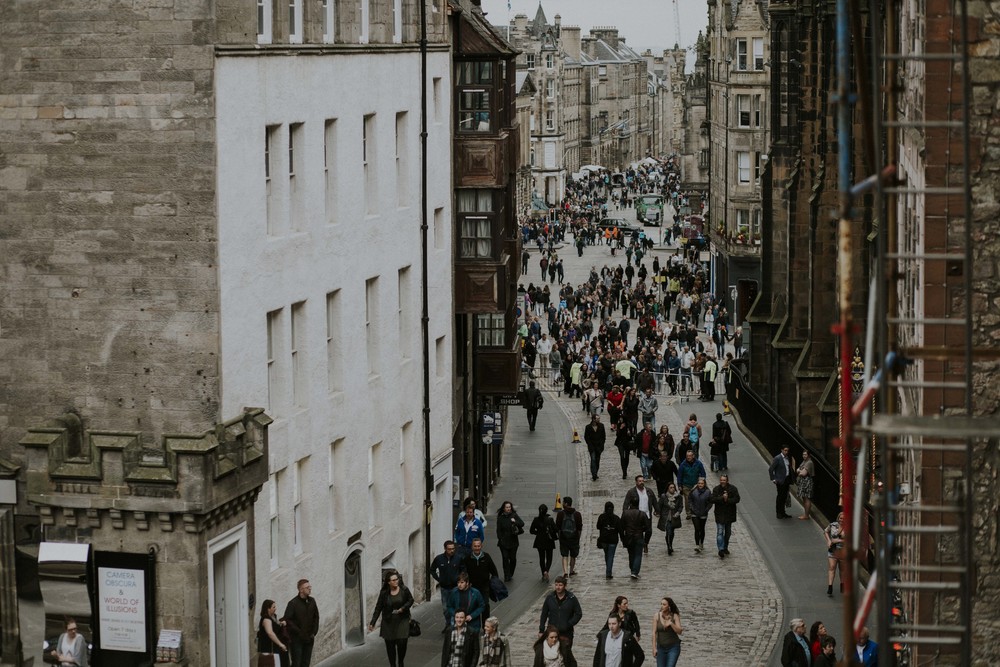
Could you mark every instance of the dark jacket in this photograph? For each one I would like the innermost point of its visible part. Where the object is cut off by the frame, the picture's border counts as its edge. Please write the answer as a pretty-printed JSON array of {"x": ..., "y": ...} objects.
[
  {"x": 632, "y": 500},
  {"x": 792, "y": 652},
  {"x": 480, "y": 570},
  {"x": 700, "y": 501},
  {"x": 777, "y": 470},
  {"x": 725, "y": 512},
  {"x": 563, "y": 614},
  {"x": 383, "y": 605},
  {"x": 637, "y": 442},
  {"x": 634, "y": 526},
  {"x": 470, "y": 649},
  {"x": 567, "y": 653},
  {"x": 544, "y": 530},
  {"x": 445, "y": 570},
  {"x": 628, "y": 649},
  {"x": 595, "y": 437},
  {"x": 532, "y": 398},
  {"x": 508, "y": 527},
  {"x": 722, "y": 431},
  {"x": 609, "y": 528},
  {"x": 663, "y": 473},
  {"x": 471, "y": 602},
  {"x": 302, "y": 618}
]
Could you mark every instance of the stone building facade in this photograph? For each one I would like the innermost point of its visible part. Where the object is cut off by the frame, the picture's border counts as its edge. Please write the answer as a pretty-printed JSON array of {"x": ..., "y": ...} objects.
[
  {"x": 738, "y": 95},
  {"x": 197, "y": 221}
]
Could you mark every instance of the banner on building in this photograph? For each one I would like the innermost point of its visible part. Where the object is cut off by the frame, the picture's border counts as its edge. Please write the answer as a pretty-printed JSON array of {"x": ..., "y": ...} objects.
[{"x": 124, "y": 608}]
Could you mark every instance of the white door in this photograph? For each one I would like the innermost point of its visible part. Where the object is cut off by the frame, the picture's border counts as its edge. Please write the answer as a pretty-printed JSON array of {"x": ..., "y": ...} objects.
[{"x": 226, "y": 606}]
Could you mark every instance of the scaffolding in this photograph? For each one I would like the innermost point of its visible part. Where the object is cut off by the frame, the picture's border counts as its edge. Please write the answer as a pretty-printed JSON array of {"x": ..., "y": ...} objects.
[{"x": 919, "y": 326}]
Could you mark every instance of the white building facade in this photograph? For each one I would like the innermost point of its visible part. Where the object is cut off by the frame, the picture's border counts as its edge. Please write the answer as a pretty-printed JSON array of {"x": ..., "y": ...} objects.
[{"x": 320, "y": 274}]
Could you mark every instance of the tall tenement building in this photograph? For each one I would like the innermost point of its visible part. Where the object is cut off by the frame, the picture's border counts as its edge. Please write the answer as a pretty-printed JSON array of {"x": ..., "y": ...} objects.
[{"x": 210, "y": 350}]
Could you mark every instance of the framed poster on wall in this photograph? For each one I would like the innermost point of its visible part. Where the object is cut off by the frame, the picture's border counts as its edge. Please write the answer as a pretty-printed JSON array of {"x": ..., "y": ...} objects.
[{"x": 124, "y": 608}]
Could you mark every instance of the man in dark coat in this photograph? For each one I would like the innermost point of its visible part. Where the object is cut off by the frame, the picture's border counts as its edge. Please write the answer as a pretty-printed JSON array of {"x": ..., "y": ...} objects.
[
  {"x": 780, "y": 471},
  {"x": 302, "y": 621},
  {"x": 461, "y": 640},
  {"x": 723, "y": 433},
  {"x": 595, "y": 437},
  {"x": 614, "y": 641},
  {"x": 634, "y": 526},
  {"x": 561, "y": 610},
  {"x": 532, "y": 403},
  {"x": 481, "y": 567},
  {"x": 725, "y": 497},
  {"x": 795, "y": 651}
]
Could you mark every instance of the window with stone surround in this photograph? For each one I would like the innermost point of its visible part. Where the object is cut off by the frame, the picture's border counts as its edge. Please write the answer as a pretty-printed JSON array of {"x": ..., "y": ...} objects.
[
  {"x": 475, "y": 96},
  {"x": 530, "y": 58},
  {"x": 336, "y": 464},
  {"x": 475, "y": 217},
  {"x": 743, "y": 110},
  {"x": 403, "y": 313},
  {"x": 296, "y": 188},
  {"x": 275, "y": 520},
  {"x": 265, "y": 28},
  {"x": 368, "y": 160},
  {"x": 492, "y": 330},
  {"x": 274, "y": 209},
  {"x": 365, "y": 21},
  {"x": 330, "y": 170},
  {"x": 758, "y": 54},
  {"x": 397, "y": 20},
  {"x": 300, "y": 369},
  {"x": 295, "y": 21},
  {"x": 372, "y": 326},
  {"x": 742, "y": 55},
  {"x": 334, "y": 371},
  {"x": 275, "y": 338},
  {"x": 402, "y": 161},
  {"x": 297, "y": 515},
  {"x": 329, "y": 20},
  {"x": 743, "y": 167}
]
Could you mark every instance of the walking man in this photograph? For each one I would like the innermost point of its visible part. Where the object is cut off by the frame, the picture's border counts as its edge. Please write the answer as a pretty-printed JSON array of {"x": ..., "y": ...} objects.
[
  {"x": 595, "y": 437},
  {"x": 569, "y": 523},
  {"x": 615, "y": 645},
  {"x": 648, "y": 405},
  {"x": 561, "y": 610},
  {"x": 781, "y": 475},
  {"x": 690, "y": 471},
  {"x": 723, "y": 433},
  {"x": 302, "y": 622},
  {"x": 644, "y": 500},
  {"x": 532, "y": 403},
  {"x": 480, "y": 567},
  {"x": 725, "y": 497},
  {"x": 445, "y": 569}
]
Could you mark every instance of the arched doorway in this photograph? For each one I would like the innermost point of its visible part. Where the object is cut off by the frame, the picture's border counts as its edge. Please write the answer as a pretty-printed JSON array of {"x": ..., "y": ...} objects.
[{"x": 354, "y": 601}]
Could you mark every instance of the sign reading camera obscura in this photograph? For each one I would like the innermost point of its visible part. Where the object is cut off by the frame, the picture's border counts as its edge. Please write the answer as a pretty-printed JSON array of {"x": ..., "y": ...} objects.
[{"x": 124, "y": 606}]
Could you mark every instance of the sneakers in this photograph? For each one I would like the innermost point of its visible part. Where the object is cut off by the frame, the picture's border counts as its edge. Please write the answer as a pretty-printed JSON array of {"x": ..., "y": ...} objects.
[
  {"x": 634, "y": 575},
  {"x": 698, "y": 548}
]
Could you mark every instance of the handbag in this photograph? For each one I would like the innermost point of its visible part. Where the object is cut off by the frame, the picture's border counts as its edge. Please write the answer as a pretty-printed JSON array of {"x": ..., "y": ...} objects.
[
  {"x": 675, "y": 522},
  {"x": 414, "y": 627},
  {"x": 265, "y": 660}
]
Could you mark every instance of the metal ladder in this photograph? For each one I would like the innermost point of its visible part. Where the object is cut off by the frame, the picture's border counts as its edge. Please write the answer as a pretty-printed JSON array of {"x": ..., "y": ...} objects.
[{"x": 925, "y": 428}]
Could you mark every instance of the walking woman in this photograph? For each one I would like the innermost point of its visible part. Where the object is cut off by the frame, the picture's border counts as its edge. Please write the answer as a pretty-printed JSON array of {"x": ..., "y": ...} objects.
[
  {"x": 699, "y": 500},
  {"x": 667, "y": 631},
  {"x": 623, "y": 441},
  {"x": 834, "y": 536},
  {"x": 804, "y": 479},
  {"x": 543, "y": 527},
  {"x": 630, "y": 408},
  {"x": 394, "y": 602},
  {"x": 551, "y": 652},
  {"x": 509, "y": 526},
  {"x": 629, "y": 621},
  {"x": 269, "y": 636},
  {"x": 495, "y": 649},
  {"x": 609, "y": 529},
  {"x": 671, "y": 508}
]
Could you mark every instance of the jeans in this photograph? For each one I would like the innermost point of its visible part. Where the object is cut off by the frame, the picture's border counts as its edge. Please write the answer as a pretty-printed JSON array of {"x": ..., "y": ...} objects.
[
  {"x": 609, "y": 558},
  {"x": 445, "y": 594},
  {"x": 644, "y": 463},
  {"x": 686, "y": 382},
  {"x": 667, "y": 657},
  {"x": 595, "y": 462},
  {"x": 649, "y": 417},
  {"x": 699, "y": 529},
  {"x": 722, "y": 533},
  {"x": 302, "y": 650},
  {"x": 509, "y": 557},
  {"x": 532, "y": 417},
  {"x": 635, "y": 554}
]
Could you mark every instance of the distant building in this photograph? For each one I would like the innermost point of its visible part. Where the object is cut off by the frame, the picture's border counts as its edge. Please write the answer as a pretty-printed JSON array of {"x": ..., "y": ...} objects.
[
  {"x": 738, "y": 98},
  {"x": 212, "y": 304}
]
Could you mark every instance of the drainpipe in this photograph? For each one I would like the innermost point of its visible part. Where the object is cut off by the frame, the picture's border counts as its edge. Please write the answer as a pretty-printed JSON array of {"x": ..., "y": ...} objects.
[{"x": 424, "y": 305}]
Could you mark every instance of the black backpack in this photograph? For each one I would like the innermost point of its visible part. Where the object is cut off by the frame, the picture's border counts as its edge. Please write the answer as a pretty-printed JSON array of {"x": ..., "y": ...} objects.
[{"x": 567, "y": 531}]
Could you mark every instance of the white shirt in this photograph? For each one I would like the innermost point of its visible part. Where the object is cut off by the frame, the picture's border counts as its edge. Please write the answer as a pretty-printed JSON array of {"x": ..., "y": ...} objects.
[
  {"x": 643, "y": 501},
  {"x": 544, "y": 345},
  {"x": 613, "y": 649},
  {"x": 687, "y": 359}
]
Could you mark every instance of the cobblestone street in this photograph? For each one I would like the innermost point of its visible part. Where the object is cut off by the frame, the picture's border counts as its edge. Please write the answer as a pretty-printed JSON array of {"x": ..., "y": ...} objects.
[{"x": 735, "y": 599}]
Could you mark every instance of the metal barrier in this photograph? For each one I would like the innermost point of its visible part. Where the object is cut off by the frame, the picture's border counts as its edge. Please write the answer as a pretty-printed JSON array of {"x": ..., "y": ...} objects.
[{"x": 687, "y": 387}]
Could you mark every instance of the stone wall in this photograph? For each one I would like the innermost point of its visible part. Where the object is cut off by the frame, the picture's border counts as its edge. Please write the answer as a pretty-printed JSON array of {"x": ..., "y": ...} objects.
[
  {"x": 984, "y": 117},
  {"x": 107, "y": 169}
]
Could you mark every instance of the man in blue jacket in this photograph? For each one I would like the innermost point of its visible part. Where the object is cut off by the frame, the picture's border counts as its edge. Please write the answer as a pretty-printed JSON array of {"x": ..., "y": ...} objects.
[
  {"x": 687, "y": 476},
  {"x": 445, "y": 569},
  {"x": 468, "y": 528}
]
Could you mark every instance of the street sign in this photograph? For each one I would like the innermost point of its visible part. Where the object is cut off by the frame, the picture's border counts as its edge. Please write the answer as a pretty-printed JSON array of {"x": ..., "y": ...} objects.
[
  {"x": 507, "y": 399},
  {"x": 491, "y": 428}
]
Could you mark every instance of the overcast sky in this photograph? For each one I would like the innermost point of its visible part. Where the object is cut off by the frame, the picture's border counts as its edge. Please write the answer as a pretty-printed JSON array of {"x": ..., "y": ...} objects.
[{"x": 646, "y": 24}]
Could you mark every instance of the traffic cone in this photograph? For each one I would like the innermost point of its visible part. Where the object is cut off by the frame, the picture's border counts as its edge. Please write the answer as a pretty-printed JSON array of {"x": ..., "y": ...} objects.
[
  {"x": 576, "y": 437},
  {"x": 558, "y": 505},
  {"x": 725, "y": 408}
]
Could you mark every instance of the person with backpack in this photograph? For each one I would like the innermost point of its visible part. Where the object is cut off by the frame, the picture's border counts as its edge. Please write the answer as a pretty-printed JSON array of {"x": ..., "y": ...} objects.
[
  {"x": 694, "y": 432},
  {"x": 608, "y": 536},
  {"x": 569, "y": 522}
]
